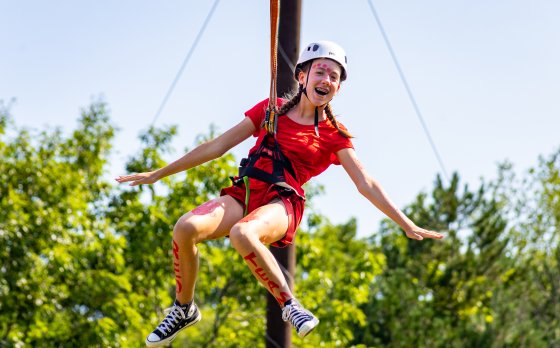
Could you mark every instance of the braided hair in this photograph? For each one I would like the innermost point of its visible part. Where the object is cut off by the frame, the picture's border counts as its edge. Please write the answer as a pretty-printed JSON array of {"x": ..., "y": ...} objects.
[
  {"x": 330, "y": 116},
  {"x": 293, "y": 100}
]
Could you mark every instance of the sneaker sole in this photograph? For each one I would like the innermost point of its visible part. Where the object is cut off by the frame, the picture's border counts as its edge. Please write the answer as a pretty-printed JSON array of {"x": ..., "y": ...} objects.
[
  {"x": 171, "y": 338},
  {"x": 306, "y": 328}
]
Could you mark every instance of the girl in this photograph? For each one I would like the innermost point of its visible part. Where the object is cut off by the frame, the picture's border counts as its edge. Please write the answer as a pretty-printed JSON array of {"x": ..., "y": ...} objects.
[{"x": 266, "y": 201}]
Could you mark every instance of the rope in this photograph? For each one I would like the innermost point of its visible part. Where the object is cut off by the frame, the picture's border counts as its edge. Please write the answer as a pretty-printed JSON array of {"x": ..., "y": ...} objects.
[
  {"x": 185, "y": 61},
  {"x": 408, "y": 90},
  {"x": 286, "y": 58},
  {"x": 270, "y": 122}
]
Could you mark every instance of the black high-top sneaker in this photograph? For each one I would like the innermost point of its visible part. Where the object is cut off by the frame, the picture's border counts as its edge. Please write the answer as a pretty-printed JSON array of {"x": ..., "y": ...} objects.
[
  {"x": 299, "y": 317},
  {"x": 178, "y": 318}
]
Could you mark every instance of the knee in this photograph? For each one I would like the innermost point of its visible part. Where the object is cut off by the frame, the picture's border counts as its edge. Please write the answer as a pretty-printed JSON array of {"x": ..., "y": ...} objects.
[
  {"x": 185, "y": 230},
  {"x": 241, "y": 237}
]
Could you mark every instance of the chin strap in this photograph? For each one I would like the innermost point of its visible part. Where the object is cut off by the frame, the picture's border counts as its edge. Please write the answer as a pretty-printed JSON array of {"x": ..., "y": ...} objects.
[
  {"x": 317, "y": 121},
  {"x": 304, "y": 90}
]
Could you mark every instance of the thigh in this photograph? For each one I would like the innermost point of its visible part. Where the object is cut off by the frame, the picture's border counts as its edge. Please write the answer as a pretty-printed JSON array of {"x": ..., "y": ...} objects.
[
  {"x": 269, "y": 222},
  {"x": 213, "y": 219}
]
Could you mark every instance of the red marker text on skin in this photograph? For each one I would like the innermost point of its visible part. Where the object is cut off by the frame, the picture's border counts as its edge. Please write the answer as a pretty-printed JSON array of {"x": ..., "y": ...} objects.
[
  {"x": 260, "y": 272},
  {"x": 179, "y": 285}
]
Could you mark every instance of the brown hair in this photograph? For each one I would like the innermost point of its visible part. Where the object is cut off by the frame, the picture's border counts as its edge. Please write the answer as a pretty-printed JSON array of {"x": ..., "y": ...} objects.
[{"x": 330, "y": 116}]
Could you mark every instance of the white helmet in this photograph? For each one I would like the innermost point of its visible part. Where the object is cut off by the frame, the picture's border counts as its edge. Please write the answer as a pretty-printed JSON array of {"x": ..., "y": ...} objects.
[{"x": 323, "y": 49}]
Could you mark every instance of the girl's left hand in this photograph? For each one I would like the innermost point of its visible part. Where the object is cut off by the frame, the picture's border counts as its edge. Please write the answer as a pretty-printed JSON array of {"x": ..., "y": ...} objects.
[{"x": 421, "y": 233}]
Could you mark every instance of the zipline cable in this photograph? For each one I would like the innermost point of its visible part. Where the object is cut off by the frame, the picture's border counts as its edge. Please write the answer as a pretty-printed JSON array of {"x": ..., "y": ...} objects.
[
  {"x": 185, "y": 61},
  {"x": 286, "y": 58},
  {"x": 408, "y": 90}
]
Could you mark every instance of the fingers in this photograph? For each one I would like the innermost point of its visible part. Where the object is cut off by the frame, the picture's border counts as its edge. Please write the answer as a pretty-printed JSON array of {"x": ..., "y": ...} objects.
[
  {"x": 413, "y": 235},
  {"x": 431, "y": 234},
  {"x": 135, "y": 178},
  {"x": 421, "y": 234},
  {"x": 417, "y": 236},
  {"x": 124, "y": 178}
]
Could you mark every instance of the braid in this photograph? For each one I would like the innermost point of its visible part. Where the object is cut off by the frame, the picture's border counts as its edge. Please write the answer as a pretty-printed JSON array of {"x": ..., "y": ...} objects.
[
  {"x": 294, "y": 100},
  {"x": 330, "y": 116}
]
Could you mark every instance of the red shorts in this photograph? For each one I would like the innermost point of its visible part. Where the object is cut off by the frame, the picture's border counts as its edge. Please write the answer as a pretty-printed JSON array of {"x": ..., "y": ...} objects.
[{"x": 292, "y": 201}]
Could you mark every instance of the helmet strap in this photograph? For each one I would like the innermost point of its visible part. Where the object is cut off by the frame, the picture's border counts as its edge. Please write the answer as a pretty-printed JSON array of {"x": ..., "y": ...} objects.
[
  {"x": 304, "y": 90},
  {"x": 317, "y": 121},
  {"x": 307, "y": 81}
]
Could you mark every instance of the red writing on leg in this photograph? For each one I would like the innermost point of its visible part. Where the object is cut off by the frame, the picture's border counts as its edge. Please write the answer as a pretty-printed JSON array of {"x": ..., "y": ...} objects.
[
  {"x": 283, "y": 297},
  {"x": 251, "y": 258},
  {"x": 179, "y": 285},
  {"x": 259, "y": 271},
  {"x": 176, "y": 250}
]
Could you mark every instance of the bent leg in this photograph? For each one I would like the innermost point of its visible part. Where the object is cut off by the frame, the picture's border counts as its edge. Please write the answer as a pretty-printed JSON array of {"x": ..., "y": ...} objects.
[
  {"x": 211, "y": 220},
  {"x": 264, "y": 225}
]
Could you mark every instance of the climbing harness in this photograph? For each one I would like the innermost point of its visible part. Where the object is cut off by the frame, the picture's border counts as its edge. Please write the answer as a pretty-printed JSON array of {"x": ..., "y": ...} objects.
[
  {"x": 281, "y": 166},
  {"x": 268, "y": 147}
]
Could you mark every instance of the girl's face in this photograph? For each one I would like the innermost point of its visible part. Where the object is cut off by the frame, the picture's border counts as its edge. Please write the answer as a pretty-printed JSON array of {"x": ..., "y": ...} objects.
[{"x": 323, "y": 82}]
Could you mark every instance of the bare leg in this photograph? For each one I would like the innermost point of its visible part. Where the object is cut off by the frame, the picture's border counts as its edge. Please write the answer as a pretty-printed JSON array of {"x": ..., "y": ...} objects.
[
  {"x": 211, "y": 220},
  {"x": 266, "y": 224}
]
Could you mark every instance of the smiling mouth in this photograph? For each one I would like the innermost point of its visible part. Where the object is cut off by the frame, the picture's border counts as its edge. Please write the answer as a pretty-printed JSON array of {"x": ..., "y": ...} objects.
[{"x": 322, "y": 92}]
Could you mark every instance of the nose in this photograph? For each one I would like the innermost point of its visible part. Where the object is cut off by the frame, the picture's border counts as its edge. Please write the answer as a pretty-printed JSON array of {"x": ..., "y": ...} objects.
[{"x": 326, "y": 79}]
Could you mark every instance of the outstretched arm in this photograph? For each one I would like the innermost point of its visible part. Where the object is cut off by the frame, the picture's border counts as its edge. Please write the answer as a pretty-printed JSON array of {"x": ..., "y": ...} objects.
[
  {"x": 373, "y": 191},
  {"x": 201, "y": 154}
]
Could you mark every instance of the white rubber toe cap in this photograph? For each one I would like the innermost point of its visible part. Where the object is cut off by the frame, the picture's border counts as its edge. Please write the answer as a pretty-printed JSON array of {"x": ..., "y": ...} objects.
[{"x": 153, "y": 340}]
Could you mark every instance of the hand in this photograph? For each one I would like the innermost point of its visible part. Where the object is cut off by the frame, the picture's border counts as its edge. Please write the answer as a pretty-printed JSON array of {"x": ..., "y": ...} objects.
[
  {"x": 420, "y": 233},
  {"x": 139, "y": 178}
]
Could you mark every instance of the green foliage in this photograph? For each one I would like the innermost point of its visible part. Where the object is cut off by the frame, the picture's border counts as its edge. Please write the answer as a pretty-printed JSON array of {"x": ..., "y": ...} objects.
[
  {"x": 88, "y": 263},
  {"x": 63, "y": 275},
  {"x": 334, "y": 270}
]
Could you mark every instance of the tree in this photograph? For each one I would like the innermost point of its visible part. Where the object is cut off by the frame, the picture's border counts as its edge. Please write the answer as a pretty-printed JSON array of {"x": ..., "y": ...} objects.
[
  {"x": 63, "y": 276},
  {"x": 529, "y": 307},
  {"x": 334, "y": 271},
  {"x": 85, "y": 262},
  {"x": 439, "y": 293}
]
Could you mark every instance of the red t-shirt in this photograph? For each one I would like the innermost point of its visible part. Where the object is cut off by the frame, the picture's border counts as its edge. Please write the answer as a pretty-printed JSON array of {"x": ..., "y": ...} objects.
[{"x": 310, "y": 155}]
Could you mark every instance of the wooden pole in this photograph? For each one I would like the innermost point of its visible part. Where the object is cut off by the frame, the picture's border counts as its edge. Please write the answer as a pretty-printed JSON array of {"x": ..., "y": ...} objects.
[{"x": 279, "y": 333}]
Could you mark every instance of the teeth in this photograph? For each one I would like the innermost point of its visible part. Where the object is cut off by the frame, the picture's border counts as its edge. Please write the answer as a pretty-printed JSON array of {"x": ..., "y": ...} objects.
[{"x": 321, "y": 91}]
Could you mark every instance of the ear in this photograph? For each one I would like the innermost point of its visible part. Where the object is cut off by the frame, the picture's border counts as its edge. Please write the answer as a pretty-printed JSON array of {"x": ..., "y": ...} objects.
[{"x": 301, "y": 77}]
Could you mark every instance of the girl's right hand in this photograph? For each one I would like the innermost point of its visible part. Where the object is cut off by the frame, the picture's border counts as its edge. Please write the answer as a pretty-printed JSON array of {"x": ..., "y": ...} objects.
[{"x": 139, "y": 178}]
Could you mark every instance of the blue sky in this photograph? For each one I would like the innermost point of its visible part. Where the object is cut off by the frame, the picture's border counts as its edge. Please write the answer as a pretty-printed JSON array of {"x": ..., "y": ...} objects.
[{"x": 485, "y": 75}]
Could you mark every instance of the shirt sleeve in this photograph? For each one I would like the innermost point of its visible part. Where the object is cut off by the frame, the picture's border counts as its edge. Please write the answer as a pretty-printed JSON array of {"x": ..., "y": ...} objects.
[
  {"x": 338, "y": 143},
  {"x": 258, "y": 112}
]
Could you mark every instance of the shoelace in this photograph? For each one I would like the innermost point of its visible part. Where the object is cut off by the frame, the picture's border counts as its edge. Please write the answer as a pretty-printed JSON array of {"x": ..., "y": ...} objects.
[
  {"x": 296, "y": 315},
  {"x": 176, "y": 313}
]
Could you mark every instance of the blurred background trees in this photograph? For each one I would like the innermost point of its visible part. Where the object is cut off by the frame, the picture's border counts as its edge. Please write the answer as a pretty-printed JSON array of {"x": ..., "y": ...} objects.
[{"x": 84, "y": 262}]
